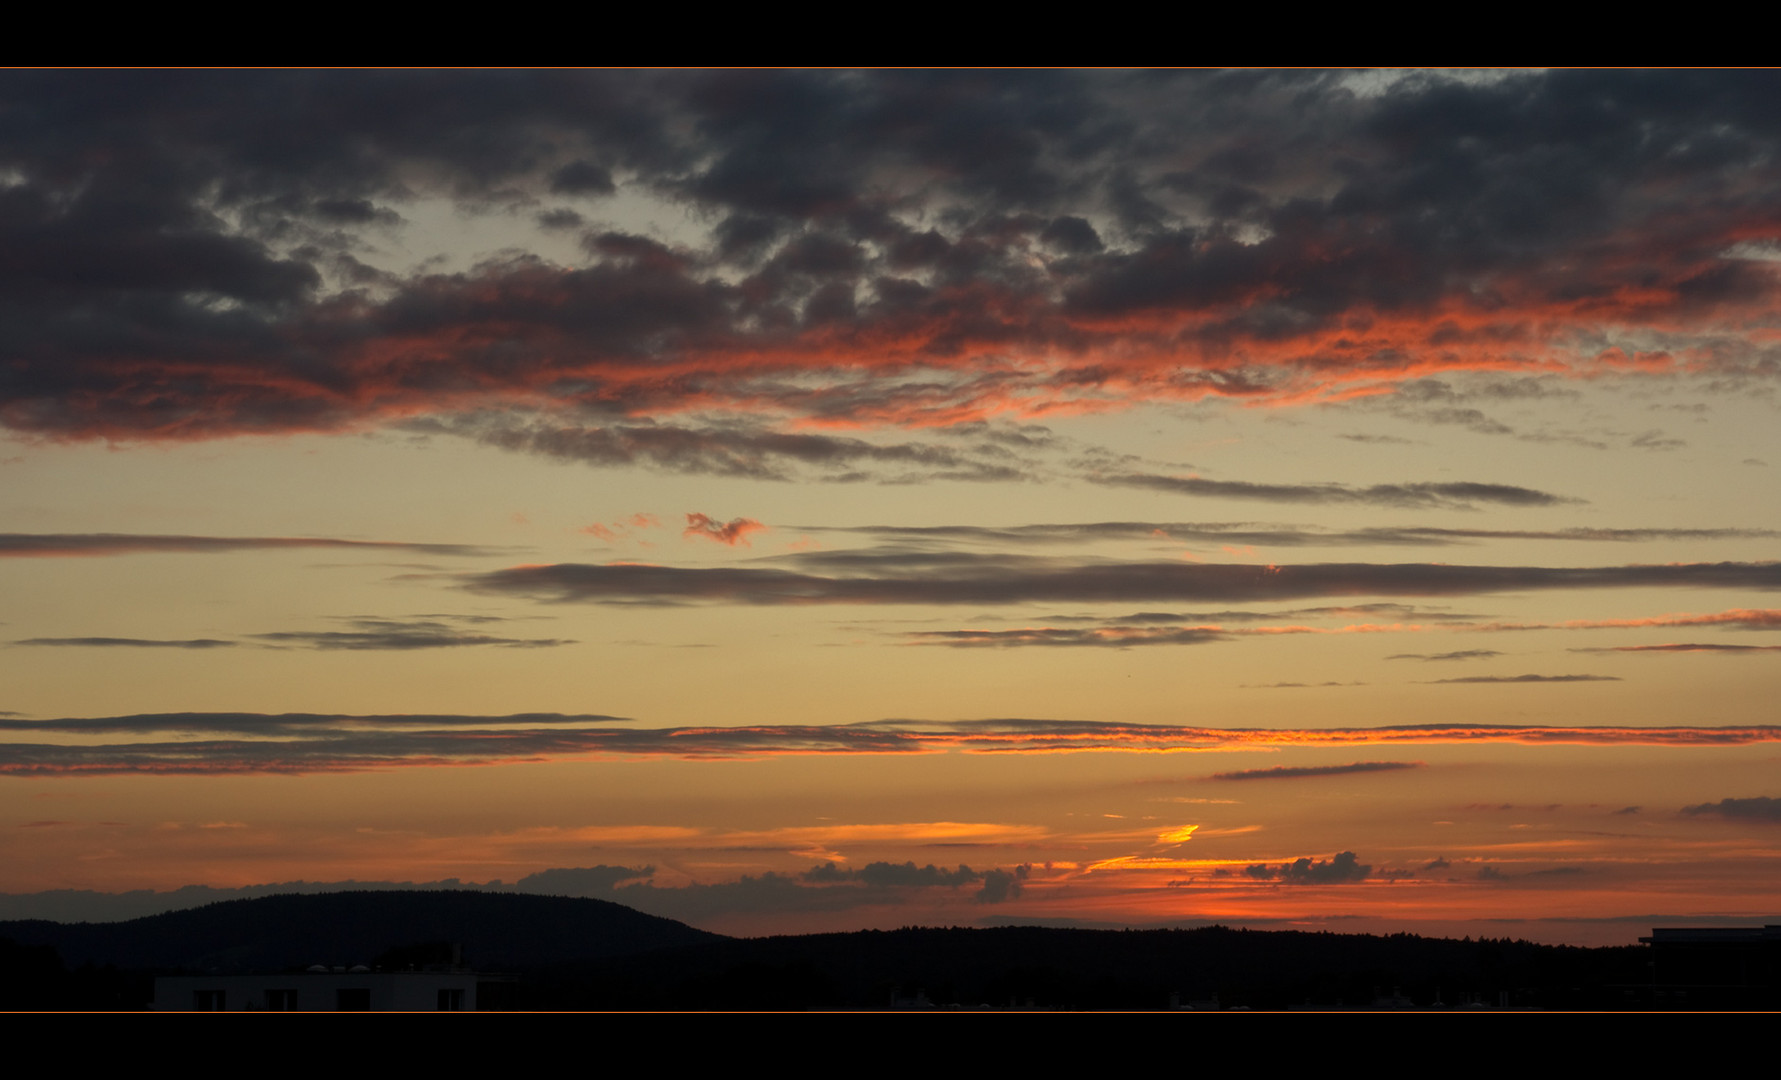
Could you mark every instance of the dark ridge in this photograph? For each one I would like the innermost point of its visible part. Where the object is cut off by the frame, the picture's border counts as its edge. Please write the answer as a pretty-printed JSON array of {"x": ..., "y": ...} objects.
[
  {"x": 591, "y": 954},
  {"x": 498, "y": 931},
  {"x": 1106, "y": 969}
]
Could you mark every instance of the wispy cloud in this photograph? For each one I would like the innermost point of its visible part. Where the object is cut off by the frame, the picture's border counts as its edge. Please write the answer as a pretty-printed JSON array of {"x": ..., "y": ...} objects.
[
  {"x": 1684, "y": 647},
  {"x": 1416, "y": 496},
  {"x": 308, "y": 743},
  {"x": 1530, "y": 679},
  {"x": 740, "y": 450},
  {"x": 1736, "y": 619},
  {"x": 367, "y": 634},
  {"x": 130, "y": 643},
  {"x": 1298, "y": 772},
  {"x": 915, "y": 578},
  {"x": 1259, "y": 534},
  {"x": 66, "y": 545}
]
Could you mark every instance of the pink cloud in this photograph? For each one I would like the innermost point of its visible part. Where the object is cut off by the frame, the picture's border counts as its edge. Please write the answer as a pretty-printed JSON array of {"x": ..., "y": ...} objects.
[{"x": 733, "y": 532}]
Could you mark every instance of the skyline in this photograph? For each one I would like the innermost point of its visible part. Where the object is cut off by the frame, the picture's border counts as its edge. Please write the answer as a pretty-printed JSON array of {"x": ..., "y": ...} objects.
[{"x": 817, "y": 500}]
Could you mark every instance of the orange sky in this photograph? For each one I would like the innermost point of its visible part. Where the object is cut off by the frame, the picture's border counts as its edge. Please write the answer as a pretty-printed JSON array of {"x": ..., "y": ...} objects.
[{"x": 814, "y": 500}]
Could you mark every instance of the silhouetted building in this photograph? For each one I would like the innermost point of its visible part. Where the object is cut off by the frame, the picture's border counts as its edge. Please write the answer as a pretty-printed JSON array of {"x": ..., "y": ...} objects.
[{"x": 322, "y": 989}]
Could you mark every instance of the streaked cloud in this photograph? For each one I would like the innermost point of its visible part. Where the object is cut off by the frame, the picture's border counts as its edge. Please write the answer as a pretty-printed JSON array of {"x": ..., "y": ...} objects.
[
  {"x": 958, "y": 578},
  {"x": 1736, "y": 619},
  {"x": 130, "y": 643},
  {"x": 1685, "y": 647},
  {"x": 1261, "y": 534},
  {"x": 1417, "y": 496},
  {"x": 733, "y": 449},
  {"x": 366, "y": 634},
  {"x": 1299, "y": 772},
  {"x": 1530, "y": 679},
  {"x": 309, "y": 743},
  {"x": 369, "y": 634},
  {"x": 1116, "y": 637},
  {"x": 67, "y": 545}
]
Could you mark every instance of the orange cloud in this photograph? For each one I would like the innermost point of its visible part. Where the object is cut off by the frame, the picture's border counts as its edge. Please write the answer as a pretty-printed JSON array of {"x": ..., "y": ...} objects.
[
  {"x": 352, "y": 744},
  {"x": 732, "y": 533}
]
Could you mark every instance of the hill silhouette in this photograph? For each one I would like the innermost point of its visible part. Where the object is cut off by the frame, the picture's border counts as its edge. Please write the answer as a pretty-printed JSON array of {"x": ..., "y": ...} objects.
[
  {"x": 572, "y": 953},
  {"x": 498, "y": 931},
  {"x": 1097, "y": 969}
]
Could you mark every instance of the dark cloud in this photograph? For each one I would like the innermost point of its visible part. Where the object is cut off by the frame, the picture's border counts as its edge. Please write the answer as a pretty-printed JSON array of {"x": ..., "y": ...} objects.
[
  {"x": 1684, "y": 647},
  {"x": 1463, "y": 654},
  {"x": 399, "y": 635},
  {"x": 888, "y": 577},
  {"x": 1002, "y": 885},
  {"x": 582, "y": 178},
  {"x": 822, "y": 888},
  {"x": 1381, "y": 440},
  {"x": 1761, "y": 808},
  {"x": 1531, "y": 679},
  {"x": 132, "y": 643},
  {"x": 1734, "y": 619},
  {"x": 51, "y": 545},
  {"x": 185, "y": 251},
  {"x": 560, "y": 218},
  {"x": 1073, "y": 236},
  {"x": 1111, "y": 637},
  {"x": 295, "y": 724},
  {"x": 1257, "y": 534},
  {"x": 735, "y": 450},
  {"x": 224, "y": 743},
  {"x": 1656, "y": 440},
  {"x": 1421, "y": 496},
  {"x": 595, "y": 881},
  {"x": 1343, "y": 869},
  {"x": 770, "y": 892},
  {"x": 1295, "y": 772},
  {"x": 438, "y": 632},
  {"x": 908, "y": 874},
  {"x": 1346, "y": 611}
]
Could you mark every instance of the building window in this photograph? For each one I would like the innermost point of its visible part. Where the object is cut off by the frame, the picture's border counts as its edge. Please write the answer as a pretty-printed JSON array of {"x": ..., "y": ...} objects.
[
  {"x": 357, "y": 999},
  {"x": 209, "y": 1000},
  {"x": 451, "y": 1000},
  {"x": 281, "y": 1001}
]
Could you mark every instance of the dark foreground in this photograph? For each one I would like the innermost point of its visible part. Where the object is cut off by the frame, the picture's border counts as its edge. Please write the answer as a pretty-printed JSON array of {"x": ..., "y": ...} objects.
[{"x": 590, "y": 954}]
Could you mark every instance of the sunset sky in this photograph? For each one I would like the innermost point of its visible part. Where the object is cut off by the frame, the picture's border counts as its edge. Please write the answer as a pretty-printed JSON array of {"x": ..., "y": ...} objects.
[{"x": 801, "y": 501}]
